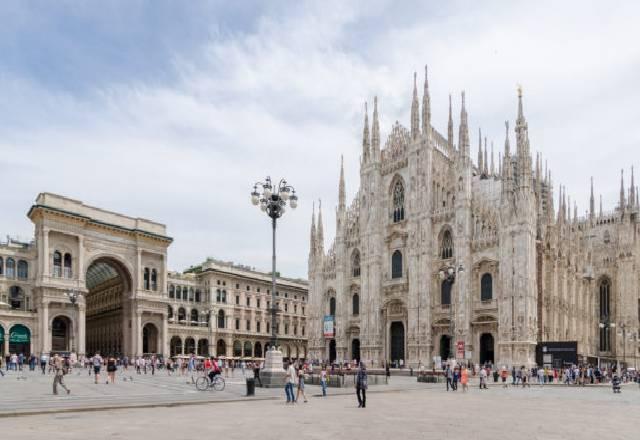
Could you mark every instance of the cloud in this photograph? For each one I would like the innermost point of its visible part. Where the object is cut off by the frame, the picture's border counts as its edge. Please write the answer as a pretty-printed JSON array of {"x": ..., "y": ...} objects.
[{"x": 279, "y": 90}]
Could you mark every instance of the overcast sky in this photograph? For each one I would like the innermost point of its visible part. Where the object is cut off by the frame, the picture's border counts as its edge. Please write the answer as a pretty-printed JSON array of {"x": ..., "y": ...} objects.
[{"x": 171, "y": 110}]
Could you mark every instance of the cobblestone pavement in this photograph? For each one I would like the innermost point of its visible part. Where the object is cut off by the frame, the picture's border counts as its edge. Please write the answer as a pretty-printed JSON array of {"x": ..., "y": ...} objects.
[{"x": 402, "y": 408}]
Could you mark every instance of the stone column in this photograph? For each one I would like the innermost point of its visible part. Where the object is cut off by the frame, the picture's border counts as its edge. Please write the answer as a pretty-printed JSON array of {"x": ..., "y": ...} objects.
[
  {"x": 45, "y": 251},
  {"x": 81, "y": 260},
  {"x": 164, "y": 345},
  {"x": 44, "y": 326},
  {"x": 138, "y": 332},
  {"x": 82, "y": 337}
]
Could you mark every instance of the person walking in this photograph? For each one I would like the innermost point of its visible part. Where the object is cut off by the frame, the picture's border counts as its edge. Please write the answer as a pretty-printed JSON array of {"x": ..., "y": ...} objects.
[
  {"x": 301, "y": 385},
  {"x": 58, "y": 364},
  {"x": 361, "y": 386},
  {"x": 288, "y": 387},
  {"x": 97, "y": 364},
  {"x": 323, "y": 381},
  {"x": 256, "y": 373},
  {"x": 111, "y": 370},
  {"x": 483, "y": 378},
  {"x": 44, "y": 360},
  {"x": 464, "y": 379},
  {"x": 449, "y": 376}
]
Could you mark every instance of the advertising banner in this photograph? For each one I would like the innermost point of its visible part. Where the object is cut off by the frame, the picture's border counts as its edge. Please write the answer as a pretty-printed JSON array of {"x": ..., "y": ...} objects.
[
  {"x": 329, "y": 327},
  {"x": 460, "y": 349}
]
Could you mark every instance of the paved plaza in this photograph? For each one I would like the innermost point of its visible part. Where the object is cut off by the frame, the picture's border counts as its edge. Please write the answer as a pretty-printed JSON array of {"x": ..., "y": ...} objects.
[{"x": 166, "y": 407}]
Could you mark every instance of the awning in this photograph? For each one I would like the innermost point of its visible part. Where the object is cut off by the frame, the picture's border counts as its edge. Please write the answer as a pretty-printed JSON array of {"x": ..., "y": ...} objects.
[{"x": 19, "y": 334}]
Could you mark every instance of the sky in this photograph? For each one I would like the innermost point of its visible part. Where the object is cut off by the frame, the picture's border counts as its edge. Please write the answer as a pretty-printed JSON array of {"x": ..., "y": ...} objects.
[{"x": 172, "y": 110}]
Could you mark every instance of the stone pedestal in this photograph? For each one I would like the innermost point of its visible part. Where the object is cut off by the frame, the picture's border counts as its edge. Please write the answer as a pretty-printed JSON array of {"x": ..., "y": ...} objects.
[{"x": 273, "y": 374}]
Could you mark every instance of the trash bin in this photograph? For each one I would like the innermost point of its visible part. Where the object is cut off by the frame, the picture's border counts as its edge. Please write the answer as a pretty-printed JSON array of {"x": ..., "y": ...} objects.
[{"x": 251, "y": 386}]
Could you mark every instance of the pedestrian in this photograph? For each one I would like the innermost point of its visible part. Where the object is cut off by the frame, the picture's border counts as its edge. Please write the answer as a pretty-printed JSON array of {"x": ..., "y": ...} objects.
[
  {"x": 323, "y": 381},
  {"x": 44, "y": 359},
  {"x": 111, "y": 370},
  {"x": 288, "y": 387},
  {"x": 387, "y": 371},
  {"x": 256, "y": 372},
  {"x": 1, "y": 372},
  {"x": 483, "y": 378},
  {"x": 301, "y": 385},
  {"x": 464, "y": 379},
  {"x": 59, "y": 374},
  {"x": 97, "y": 364},
  {"x": 513, "y": 375},
  {"x": 524, "y": 375},
  {"x": 449, "y": 376},
  {"x": 504, "y": 375},
  {"x": 540, "y": 376},
  {"x": 361, "y": 386}
]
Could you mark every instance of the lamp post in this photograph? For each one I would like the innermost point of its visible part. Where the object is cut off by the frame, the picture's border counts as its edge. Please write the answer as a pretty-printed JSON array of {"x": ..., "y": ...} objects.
[
  {"x": 273, "y": 201},
  {"x": 73, "y": 296},
  {"x": 448, "y": 274}
]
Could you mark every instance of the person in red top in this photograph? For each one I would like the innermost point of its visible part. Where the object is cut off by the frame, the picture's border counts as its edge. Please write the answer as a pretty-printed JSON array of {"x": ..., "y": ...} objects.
[
  {"x": 215, "y": 369},
  {"x": 207, "y": 364}
]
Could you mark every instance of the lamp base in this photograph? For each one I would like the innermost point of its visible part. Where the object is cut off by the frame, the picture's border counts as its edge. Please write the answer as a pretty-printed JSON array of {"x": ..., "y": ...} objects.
[{"x": 273, "y": 374}]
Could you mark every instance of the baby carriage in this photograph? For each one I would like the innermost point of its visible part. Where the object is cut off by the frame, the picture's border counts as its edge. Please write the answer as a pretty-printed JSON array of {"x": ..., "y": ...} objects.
[{"x": 615, "y": 383}]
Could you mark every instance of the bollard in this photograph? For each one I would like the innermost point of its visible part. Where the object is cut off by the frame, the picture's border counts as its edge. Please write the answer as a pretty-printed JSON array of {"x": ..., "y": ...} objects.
[{"x": 251, "y": 386}]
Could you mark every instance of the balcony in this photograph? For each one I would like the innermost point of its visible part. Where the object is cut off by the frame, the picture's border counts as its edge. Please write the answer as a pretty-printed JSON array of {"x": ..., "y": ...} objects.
[{"x": 486, "y": 305}]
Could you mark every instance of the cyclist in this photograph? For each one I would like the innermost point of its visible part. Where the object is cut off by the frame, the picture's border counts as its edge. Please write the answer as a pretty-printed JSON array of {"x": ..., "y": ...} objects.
[{"x": 215, "y": 370}]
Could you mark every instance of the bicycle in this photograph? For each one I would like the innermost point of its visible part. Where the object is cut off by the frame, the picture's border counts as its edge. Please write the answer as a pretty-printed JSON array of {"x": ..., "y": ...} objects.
[{"x": 203, "y": 383}]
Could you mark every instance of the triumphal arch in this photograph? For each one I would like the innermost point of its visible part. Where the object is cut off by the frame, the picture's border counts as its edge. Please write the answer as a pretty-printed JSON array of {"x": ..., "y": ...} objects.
[{"x": 100, "y": 280}]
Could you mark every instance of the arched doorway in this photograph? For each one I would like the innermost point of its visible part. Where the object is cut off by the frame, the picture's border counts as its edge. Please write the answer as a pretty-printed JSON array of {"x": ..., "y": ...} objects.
[
  {"x": 257, "y": 350},
  {"x": 61, "y": 334},
  {"x": 149, "y": 339},
  {"x": 397, "y": 343},
  {"x": 445, "y": 347},
  {"x": 355, "y": 349},
  {"x": 107, "y": 307},
  {"x": 486, "y": 348},
  {"x": 247, "y": 349},
  {"x": 203, "y": 347},
  {"x": 332, "y": 350},
  {"x": 176, "y": 346},
  {"x": 221, "y": 348},
  {"x": 20, "y": 340},
  {"x": 189, "y": 346},
  {"x": 237, "y": 349}
]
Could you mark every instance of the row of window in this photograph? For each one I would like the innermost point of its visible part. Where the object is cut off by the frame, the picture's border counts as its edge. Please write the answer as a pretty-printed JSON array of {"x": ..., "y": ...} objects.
[
  {"x": 355, "y": 305},
  {"x": 10, "y": 270},
  {"x": 185, "y": 293},
  {"x": 221, "y": 321},
  {"x": 257, "y": 289}
]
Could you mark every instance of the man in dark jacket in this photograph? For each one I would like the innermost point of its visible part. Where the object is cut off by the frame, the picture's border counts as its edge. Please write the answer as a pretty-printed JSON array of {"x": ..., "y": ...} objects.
[{"x": 361, "y": 386}]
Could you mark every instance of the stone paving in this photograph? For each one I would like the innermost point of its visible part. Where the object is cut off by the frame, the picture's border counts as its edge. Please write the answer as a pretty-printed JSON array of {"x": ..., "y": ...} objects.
[{"x": 403, "y": 409}]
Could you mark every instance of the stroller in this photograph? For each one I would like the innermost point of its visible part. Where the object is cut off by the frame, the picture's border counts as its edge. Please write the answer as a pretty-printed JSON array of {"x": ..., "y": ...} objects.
[{"x": 615, "y": 383}]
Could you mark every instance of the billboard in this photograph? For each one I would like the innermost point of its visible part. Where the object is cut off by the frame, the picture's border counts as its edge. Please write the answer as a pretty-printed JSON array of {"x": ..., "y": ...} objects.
[
  {"x": 557, "y": 354},
  {"x": 329, "y": 326}
]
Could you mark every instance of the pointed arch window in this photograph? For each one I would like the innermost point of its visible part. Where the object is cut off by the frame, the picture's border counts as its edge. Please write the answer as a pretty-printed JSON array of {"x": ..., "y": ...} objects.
[
  {"x": 154, "y": 279},
  {"x": 396, "y": 264},
  {"x": 355, "y": 304},
  {"x": 446, "y": 247},
  {"x": 445, "y": 293},
  {"x": 355, "y": 264},
  {"x": 332, "y": 306},
  {"x": 67, "y": 265},
  {"x": 605, "y": 327},
  {"x": 398, "y": 202},
  {"x": 486, "y": 287},
  {"x": 57, "y": 265}
]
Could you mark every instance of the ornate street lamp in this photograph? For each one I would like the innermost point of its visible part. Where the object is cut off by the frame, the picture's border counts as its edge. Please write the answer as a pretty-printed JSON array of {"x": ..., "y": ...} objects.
[
  {"x": 273, "y": 201},
  {"x": 448, "y": 274},
  {"x": 73, "y": 296}
]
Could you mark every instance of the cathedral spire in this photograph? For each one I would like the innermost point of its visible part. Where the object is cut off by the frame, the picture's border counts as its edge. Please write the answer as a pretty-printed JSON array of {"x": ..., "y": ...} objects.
[
  {"x": 622, "y": 190},
  {"x": 463, "y": 135},
  {"x": 600, "y": 205},
  {"x": 426, "y": 105},
  {"x": 632, "y": 196},
  {"x": 560, "y": 205},
  {"x": 486, "y": 160},
  {"x": 312, "y": 240},
  {"x": 492, "y": 169},
  {"x": 415, "y": 109},
  {"x": 450, "y": 125},
  {"x": 499, "y": 163},
  {"x": 480, "y": 157},
  {"x": 592, "y": 203},
  {"x": 375, "y": 135},
  {"x": 320, "y": 231},
  {"x": 507, "y": 148},
  {"x": 366, "y": 144},
  {"x": 341, "y": 189}
]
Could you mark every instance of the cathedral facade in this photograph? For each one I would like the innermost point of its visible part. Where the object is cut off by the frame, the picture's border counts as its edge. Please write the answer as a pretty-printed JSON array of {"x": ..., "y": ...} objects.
[{"x": 441, "y": 256}]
